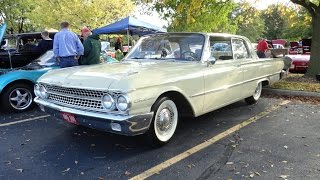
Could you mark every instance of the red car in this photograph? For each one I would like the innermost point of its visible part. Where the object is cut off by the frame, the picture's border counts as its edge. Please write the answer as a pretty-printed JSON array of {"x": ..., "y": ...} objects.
[
  {"x": 295, "y": 48},
  {"x": 300, "y": 63}
]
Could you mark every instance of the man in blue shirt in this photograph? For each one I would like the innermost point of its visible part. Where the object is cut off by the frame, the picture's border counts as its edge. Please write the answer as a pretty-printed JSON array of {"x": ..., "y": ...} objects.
[{"x": 67, "y": 47}]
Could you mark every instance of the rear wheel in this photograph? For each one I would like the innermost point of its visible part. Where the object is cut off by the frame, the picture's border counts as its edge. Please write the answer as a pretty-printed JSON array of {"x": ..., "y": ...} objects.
[
  {"x": 164, "y": 122},
  {"x": 17, "y": 97},
  {"x": 257, "y": 93}
]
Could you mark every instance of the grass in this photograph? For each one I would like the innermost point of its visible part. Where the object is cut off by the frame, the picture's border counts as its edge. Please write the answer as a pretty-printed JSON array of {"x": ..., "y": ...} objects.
[{"x": 298, "y": 82}]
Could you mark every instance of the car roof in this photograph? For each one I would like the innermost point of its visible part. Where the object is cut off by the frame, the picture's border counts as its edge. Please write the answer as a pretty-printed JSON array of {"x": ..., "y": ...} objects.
[
  {"x": 26, "y": 34},
  {"x": 205, "y": 34}
]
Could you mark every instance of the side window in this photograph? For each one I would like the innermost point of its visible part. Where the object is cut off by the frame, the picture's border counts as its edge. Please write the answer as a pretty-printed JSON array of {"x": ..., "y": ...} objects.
[
  {"x": 221, "y": 48},
  {"x": 239, "y": 49}
]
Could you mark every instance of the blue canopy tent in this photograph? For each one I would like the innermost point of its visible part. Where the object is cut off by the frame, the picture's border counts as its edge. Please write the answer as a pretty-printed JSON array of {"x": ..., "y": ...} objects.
[{"x": 130, "y": 26}]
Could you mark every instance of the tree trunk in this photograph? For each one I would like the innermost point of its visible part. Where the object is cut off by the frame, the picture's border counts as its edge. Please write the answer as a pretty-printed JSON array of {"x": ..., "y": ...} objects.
[{"x": 314, "y": 63}]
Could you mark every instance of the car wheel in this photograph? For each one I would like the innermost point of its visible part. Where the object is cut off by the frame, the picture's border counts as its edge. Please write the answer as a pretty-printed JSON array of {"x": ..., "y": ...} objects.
[
  {"x": 254, "y": 98},
  {"x": 17, "y": 98},
  {"x": 164, "y": 122}
]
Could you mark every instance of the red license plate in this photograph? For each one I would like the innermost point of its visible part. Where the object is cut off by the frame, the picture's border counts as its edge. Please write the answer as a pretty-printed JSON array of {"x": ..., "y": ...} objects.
[{"x": 70, "y": 118}]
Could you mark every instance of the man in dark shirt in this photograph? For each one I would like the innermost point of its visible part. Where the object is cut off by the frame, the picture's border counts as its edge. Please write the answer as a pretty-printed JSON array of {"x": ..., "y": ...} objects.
[{"x": 45, "y": 44}]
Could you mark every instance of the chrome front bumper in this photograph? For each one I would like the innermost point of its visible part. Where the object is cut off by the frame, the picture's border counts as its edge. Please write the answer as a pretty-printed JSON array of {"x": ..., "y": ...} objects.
[{"x": 130, "y": 124}]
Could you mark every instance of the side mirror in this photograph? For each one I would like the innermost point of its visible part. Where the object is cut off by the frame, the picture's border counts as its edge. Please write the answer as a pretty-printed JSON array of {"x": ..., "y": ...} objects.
[
  {"x": 211, "y": 61},
  {"x": 3, "y": 43}
]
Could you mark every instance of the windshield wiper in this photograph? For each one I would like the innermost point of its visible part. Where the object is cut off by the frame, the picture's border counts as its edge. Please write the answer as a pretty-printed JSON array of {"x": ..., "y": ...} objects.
[{"x": 136, "y": 58}]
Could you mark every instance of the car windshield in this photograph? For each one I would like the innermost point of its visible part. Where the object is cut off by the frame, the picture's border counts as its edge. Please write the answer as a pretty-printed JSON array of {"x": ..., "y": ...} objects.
[
  {"x": 105, "y": 45},
  {"x": 182, "y": 47},
  {"x": 47, "y": 59}
]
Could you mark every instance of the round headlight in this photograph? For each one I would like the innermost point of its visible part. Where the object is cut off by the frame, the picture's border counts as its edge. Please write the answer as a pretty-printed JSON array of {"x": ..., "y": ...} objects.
[
  {"x": 108, "y": 102},
  {"x": 123, "y": 103},
  {"x": 43, "y": 92},
  {"x": 37, "y": 90}
]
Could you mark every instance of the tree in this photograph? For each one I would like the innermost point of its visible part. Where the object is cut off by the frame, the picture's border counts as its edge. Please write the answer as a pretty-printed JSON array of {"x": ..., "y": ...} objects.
[
  {"x": 79, "y": 13},
  {"x": 15, "y": 14},
  {"x": 297, "y": 24},
  {"x": 197, "y": 15},
  {"x": 248, "y": 20},
  {"x": 313, "y": 7},
  {"x": 274, "y": 21},
  {"x": 31, "y": 15}
]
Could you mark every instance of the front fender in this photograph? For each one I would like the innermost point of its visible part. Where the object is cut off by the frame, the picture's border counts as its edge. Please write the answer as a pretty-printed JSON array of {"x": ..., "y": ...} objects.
[
  {"x": 23, "y": 75},
  {"x": 143, "y": 99}
]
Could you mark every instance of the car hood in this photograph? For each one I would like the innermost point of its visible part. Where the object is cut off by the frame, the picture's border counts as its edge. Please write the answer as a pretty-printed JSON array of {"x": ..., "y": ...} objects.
[
  {"x": 124, "y": 76},
  {"x": 300, "y": 58}
]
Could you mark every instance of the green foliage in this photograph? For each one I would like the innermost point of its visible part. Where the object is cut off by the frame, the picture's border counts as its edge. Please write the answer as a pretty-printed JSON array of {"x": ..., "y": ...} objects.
[
  {"x": 197, "y": 15},
  {"x": 40, "y": 14},
  {"x": 15, "y": 14},
  {"x": 274, "y": 21},
  {"x": 249, "y": 22},
  {"x": 297, "y": 24}
]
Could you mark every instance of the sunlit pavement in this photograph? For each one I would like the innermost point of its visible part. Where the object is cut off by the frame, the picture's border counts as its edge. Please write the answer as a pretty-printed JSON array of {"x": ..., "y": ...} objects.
[{"x": 282, "y": 144}]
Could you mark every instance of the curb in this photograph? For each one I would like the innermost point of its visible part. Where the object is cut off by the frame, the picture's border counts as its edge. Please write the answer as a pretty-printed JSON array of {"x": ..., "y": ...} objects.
[{"x": 283, "y": 92}]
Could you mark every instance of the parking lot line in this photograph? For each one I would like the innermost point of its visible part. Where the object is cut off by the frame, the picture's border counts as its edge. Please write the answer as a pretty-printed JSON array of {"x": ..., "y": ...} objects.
[
  {"x": 156, "y": 169},
  {"x": 24, "y": 120}
]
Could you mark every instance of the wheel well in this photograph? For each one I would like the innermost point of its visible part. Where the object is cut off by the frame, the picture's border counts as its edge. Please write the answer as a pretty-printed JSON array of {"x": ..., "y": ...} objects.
[
  {"x": 18, "y": 81},
  {"x": 265, "y": 83},
  {"x": 183, "y": 105}
]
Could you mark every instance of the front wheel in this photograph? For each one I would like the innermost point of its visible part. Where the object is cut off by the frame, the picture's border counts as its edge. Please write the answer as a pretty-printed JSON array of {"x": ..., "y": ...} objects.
[
  {"x": 164, "y": 122},
  {"x": 254, "y": 98},
  {"x": 17, "y": 98}
]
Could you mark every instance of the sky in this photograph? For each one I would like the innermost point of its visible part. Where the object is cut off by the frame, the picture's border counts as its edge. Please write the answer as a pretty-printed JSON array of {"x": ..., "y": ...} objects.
[{"x": 156, "y": 20}]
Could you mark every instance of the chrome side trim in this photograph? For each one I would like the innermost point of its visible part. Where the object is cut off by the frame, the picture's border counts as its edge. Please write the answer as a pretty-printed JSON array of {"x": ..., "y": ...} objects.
[{"x": 231, "y": 86}]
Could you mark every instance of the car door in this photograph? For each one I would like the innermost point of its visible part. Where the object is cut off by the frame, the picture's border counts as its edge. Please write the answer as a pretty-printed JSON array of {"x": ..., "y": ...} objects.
[
  {"x": 252, "y": 67},
  {"x": 223, "y": 79}
]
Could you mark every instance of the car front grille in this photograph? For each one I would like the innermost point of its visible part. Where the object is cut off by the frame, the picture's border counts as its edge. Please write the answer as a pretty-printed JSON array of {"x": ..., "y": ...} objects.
[
  {"x": 76, "y": 102},
  {"x": 77, "y": 98}
]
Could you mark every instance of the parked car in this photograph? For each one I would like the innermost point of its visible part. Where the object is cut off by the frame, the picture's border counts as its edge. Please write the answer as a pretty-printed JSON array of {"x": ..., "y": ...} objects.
[
  {"x": 20, "y": 49},
  {"x": 306, "y": 46},
  {"x": 106, "y": 49},
  {"x": 278, "y": 46},
  {"x": 16, "y": 85},
  {"x": 152, "y": 87},
  {"x": 276, "y": 50},
  {"x": 300, "y": 63}
]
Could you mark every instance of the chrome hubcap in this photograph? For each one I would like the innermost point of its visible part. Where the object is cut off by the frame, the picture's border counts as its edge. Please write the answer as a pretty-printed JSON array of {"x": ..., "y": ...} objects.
[
  {"x": 164, "y": 120},
  {"x": 20, "y": 98},
  {"x": 257, "y": 92}
]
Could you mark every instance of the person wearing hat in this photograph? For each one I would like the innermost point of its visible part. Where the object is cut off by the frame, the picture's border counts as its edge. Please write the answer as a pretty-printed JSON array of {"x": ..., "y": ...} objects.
[
  {"x": 67, "y": 47},
  {"x": 262, "y": 47},
  {"x": 92, "y": 47}
]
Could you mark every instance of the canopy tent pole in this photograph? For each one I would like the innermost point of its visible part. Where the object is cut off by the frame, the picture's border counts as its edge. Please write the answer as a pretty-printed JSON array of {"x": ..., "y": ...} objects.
[{"x": 128, "y": 38}]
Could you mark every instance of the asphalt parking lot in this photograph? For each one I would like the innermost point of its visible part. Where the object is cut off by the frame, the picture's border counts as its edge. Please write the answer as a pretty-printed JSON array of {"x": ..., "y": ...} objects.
[{"x": 273, "y": 139}]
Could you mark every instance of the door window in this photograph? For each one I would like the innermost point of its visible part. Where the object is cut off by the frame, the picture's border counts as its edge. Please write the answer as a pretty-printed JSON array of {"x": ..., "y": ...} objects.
[
  {"x": 240, "y": 50},
  {"x": 221, "y": 48}
]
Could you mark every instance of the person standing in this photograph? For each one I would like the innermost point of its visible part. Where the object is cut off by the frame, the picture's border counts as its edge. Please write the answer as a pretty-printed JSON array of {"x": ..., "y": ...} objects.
[
  {"x": 262, "y": 47},
  {"x": 67, "y": 47},
  {"x": 118, "y": 44},
  {"x": 45, "y": 44},
  {"x": 92, "y": 47}
]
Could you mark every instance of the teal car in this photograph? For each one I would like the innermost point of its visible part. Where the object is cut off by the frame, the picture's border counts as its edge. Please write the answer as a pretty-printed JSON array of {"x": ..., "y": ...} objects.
[{"x": 16, "y": 85}]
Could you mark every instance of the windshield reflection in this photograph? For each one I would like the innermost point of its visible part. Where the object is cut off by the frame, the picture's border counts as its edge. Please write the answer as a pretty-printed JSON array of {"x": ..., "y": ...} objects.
[
  {"x": 172, "y": 46},
  {"x": 47, "y": 59}
]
